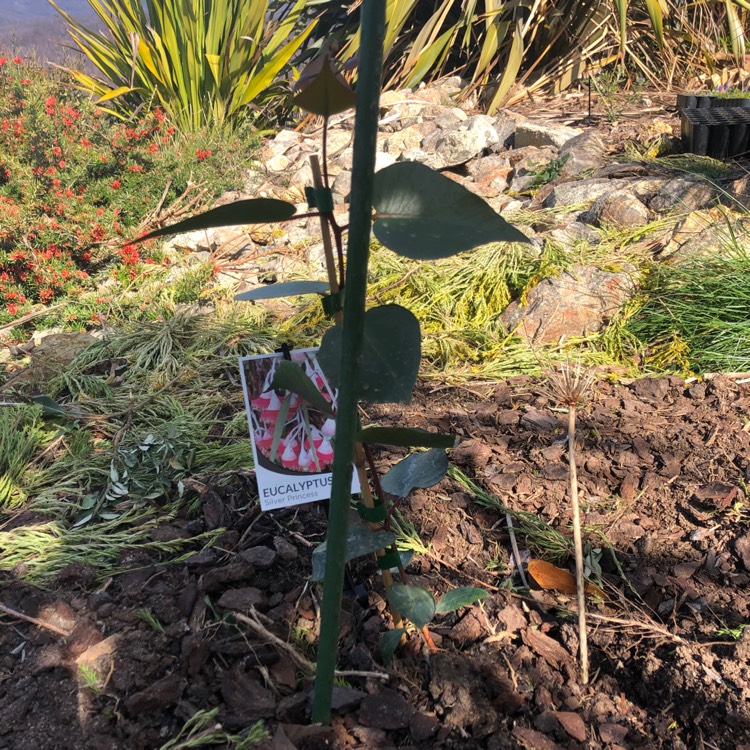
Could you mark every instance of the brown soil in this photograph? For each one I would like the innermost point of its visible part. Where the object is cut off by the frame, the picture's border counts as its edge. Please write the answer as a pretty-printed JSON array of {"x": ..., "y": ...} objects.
[{"x": 663, "y": 470}]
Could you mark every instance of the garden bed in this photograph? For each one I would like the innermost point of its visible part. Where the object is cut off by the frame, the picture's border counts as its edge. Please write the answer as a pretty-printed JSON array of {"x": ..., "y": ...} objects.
[{"x": 663, "y": 471}]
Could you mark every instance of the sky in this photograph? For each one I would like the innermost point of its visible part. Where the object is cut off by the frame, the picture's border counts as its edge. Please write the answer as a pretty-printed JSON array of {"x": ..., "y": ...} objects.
[{"x": 28, "y": 26}]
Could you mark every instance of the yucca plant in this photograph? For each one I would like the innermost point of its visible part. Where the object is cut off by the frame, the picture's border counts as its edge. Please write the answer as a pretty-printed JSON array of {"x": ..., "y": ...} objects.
[{"x": 202, "y": 61}]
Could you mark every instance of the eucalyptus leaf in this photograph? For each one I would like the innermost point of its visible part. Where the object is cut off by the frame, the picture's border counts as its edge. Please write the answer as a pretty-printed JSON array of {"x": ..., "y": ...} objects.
[
  {"x": 463, "y": 596},
  {"x": 361, "y": 540},
  {"x": 291, "y": 377},
  {"x": 407, "y": 437},
  {"x": 322, "y": 89},
  {"x": 249, "y": 211},
  {"x": 389, "y": 643},
  {"x": 423, "y": 469},
  {"x": 423, "y": 214},
  {"x": 391, "y": 351},
  {"x": 284, "y": 289},
  {"x": 414, "y": 602},
  {"x": 50, "y": 407}
]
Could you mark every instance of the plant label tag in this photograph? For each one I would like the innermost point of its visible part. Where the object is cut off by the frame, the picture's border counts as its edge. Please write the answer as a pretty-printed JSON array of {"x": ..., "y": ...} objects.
[{"x": 292, "y": 439}]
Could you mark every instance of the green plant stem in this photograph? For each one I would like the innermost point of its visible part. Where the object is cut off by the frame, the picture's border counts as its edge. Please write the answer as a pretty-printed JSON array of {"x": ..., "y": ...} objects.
[
  {"x": 578, "y": 542},
  {"x": 363, "y": 167}
]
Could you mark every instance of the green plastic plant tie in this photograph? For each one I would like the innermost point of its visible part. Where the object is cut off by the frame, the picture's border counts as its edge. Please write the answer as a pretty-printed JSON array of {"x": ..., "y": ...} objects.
[
  {"x": 321, "y": 199},
  {"x": 332, "y": 303},
  {"x": 324, "y": 200},
  {"x": 391, "y": 559},
  {"x": 352, "y": 334},
  {"x": 377, "y": 514}
]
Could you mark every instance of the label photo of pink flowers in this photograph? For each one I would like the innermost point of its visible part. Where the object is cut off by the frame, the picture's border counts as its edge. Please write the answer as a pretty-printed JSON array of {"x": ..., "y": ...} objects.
[{"x": 292, "y": 441}]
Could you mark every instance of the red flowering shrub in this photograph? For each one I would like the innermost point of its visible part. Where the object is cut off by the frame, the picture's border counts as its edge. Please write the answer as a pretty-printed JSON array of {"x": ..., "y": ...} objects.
[{"x": 75, "y": 183}]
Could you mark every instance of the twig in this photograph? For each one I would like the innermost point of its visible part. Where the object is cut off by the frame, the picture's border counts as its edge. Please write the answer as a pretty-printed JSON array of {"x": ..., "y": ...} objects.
[
  {"x": 365, "y": 675},
  {"x": 254, "y": 624},
  {"x": 33, "y": 620},
  {"x": 578, "y": 542},
  {"x": 30, "y": 316},
  {"x": 514, "y": 547}
]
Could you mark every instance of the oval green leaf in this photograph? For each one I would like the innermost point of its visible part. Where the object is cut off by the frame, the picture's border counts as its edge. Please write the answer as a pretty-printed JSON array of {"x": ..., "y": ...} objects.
[
  {"x": 362, "y": 540},
  {"x": 406, "y": 437},
  {"x": 463, "y": 596},
  {"x": 391, "y": 351},
  {"x": 389, "y": 643},
  {"x": 291, "y": 377},
  {"x": 250, "y": 211},
  {"x": 417, "y": 470},
  {"x": 423, "y": 214},
  {"x": 284, "y": 289},
  {"x": 413, "y": 602}
]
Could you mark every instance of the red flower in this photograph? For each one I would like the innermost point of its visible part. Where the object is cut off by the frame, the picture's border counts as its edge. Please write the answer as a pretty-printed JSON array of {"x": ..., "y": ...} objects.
[
  {"x": 202, "y": 154},
  {"x": 2, "y": 61},
  {"x": 12, "y": 309},
  {"x": 129, "y": 255},
  {"x": 116, "y": 184},
  {"x": 17, "y": 60}
]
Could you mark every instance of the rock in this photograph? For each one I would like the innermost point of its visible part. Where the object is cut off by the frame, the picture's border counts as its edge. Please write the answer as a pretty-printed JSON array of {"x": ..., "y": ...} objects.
[
  {"x": 700, "y": 232},
  {"x": 619, "y": 208},
  {"x": 293, "y": 708},
  {"x": 341, "y": 187},
  {"x": 157, "y": 696},
  {"x": 423, "y": 727},
  {"x": 455, "y": 147},
  {"x": 528, "y": 169},
  {"x": 259, "y": 557},
  {"x": 573, "y": 724},
  {"x": 242, "y": 599},
  {"x": 529, "y": 133},
  {"x": 458, "y": 690},
  {"x": 505, "y": 127},
  {"x": 742, "y": 548},
  {"x": 574, "y": 233},
  {"x": 583, "y": 154},
  {"x": 716, "y": 495},
  {"x": 386, "y": 710},
  {"x": 533, "y": 740},
  {"x": 346, "y": 699},
  {"x": 490, "y": 174},
  {"x": 407, "y": 139},
  {"x": 684, "y": 193},
  {"x": 576, "y": 302},
  {"x": 613, "y": 733},
  {"x": 287, "y": 551},
  {"x": 246, "y": 697},
  {"x": 578, "y": 193}
]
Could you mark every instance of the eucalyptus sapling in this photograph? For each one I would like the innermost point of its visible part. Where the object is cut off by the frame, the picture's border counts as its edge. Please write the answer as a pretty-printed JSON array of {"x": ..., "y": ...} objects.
[{"x": 368, "y": 355}]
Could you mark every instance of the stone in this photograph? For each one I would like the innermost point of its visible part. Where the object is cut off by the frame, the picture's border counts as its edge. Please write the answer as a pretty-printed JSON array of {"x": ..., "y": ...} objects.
[
  {"x": 620, "y": 209},
  {"x": 573, "y": 724},
  {"x": 386, "y": 710},
  {"x": 489, "y": 174},
  {"x": 742, "y": 548},
  {"x": 527, "y": 169},
  {"x": 242, "y": 599},
  {"x": 574, "y": 233},
  {"x": 157, "y": 696},
  {"x": 530, "y": 133},
  {"x": 613, "y": 733},
  {"x": 583, "y": 153},
  {"x": 246, "y": 697},
  {"x": 407, "y": 139},
  {"x": 455, "y": 147},
  {"x": 577, "y": 302},
  {"x": 259, "y": 557},
  {"x": 578, "y": 193},
  {"x": 346, "y": 699},
  {"x": 683, "y": 193},
  {"x": 423, "y": 727},
  {"x": 700, "y": 232},
  {"x": 505, "y": 127}
]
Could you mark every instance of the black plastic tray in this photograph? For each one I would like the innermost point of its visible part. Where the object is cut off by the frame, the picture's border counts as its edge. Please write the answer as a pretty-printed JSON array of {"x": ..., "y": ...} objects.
[
  {"x": 706, "y": 101},
  {"x": 720, "y": 132}
]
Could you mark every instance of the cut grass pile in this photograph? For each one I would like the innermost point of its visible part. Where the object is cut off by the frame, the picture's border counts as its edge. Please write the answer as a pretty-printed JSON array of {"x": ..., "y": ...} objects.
[
  {"x": 147, "y": 412},
  {"x": 695, "y": 315}
]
